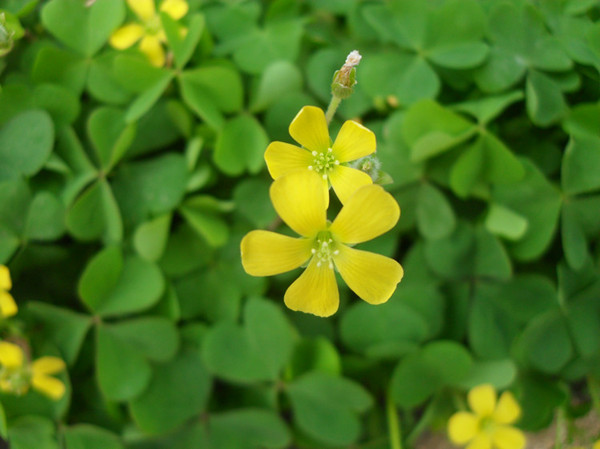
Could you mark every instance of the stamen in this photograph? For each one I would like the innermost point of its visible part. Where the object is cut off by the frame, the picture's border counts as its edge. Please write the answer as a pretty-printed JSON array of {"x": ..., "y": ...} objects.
[
  {"x": 313, "y": 250},
  {"x": 314, "y": 153},
  {"x": 310, "y": 167},
  {"x": 324, "y": 176}
]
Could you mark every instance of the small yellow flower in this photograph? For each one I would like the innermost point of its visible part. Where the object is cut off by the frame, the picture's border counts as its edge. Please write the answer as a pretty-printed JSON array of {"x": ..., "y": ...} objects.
[
  {"x": 17, "y": 375},
  {"x": 150, "y": 32},
  {"x": 596, "y": 445},
  {"x": 487, "y": 426},
  {"x": 368, "y": 213},
  {"x": 8, "y": 307},
  {"x": 309, "y": 129}
]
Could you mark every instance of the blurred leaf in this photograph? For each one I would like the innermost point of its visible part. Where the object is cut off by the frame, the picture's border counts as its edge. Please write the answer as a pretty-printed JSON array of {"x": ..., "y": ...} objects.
[
  {"x": 326, "y": 407},
  {"x": 150, "y": 238},
  {"x": 581, "y": 164},
  {"x": 505, "y": 222},
  {"x": 88, "y": 27},
  {"x": 314, "y": 354},
  {"x": 30, "y": 432},
  {"x": 142, "y": 104},
  {"x": 251, "y": 198},
  {"x": 202, "y": 216},
  {"x": 500, "y": 373},
  {"x": 87, "y": 436},
  {"x": 25, "y": 144},
  {"x": 218, "y": 85},
  {"x": 545, "y": 102},
  {"x": 110, "y": 135},
  {"x": 156, "y": 338},
  {"x": 182, "y": 48},
  {"x": 46, "y": 218},
  {"x": 583, "y": 120},
  {"x": 575, "y": 245},
  {"x": 178, "y": 391},
  {"x": 277, "y": 80},
  {"x": 435, "y": 217},
  {"x": 62, "y": 67}
]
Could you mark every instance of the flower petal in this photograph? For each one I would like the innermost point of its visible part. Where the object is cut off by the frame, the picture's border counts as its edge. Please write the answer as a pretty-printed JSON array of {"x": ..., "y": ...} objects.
[
  {"x": 8, "y": 306},
  {"x": 508, "y": 410},
  {"x": 5, "y": 282},
  {"x": 299, "y": 201},
  {"x": 152, "y": 48},
  {"x": 596, "y": 445},
  {"x": 309, "y": 129},
  {"x": 11, "y": 355},
  {"x": 126, "y": 36},
  {"x": 371, "y": 276},
  {"x": 353, "y": 142},
  {"x": 481, "y": 441},
  {"x": 315, "y": 291},
  {"x": 49, "y": 386},
  {"x": 506, "y": 437},
  {"x": 345, "y": 181},
  {"x": 175, "y": 8},
  {"x": 283, "y": 158},
  {"x": 47, "y": 365},
  {"x": 482, "y": 400},
  {"x": 144, "y": 9},
  {"x": 462, "y": 427},
  {"x": 368, "y": 213},
  {"x": 266, "y": 253}
]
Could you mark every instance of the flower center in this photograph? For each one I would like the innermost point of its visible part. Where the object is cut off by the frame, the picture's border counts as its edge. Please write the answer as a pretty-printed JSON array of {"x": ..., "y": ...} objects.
[
  {"x": 14, "y": 380},
  {"x": 153, "y": 26},
  {"x": 324, "y": 249},
  {"x": 487, "y": 424},
  {"x": 323, "y": 162}
]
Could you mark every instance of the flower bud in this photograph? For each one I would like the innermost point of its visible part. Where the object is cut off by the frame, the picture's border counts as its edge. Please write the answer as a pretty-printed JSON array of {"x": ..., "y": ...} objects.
[{"x": 344, "y": 79}]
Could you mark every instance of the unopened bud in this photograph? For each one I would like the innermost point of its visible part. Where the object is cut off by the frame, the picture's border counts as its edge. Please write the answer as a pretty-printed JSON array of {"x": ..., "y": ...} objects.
[{"x": 344, "y": 79}]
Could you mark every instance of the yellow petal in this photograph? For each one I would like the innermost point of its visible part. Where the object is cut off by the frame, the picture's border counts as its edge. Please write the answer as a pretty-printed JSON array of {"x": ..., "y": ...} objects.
[
  {"x": 266, "y": 253},
  {"x": 283, "y": 158},
  {"x": 8, "y": 306},
  {"x": 309, "y": 129},
  {"x": 49, "y": 386},
  {"x": 5, "y": 282},
  {"x": 462, "y": 427},
  {"x": 368, "y": 213},
  {"x": 11, "y": 355},
  {"x": 175, "y": 8},
  {"x": 151, "y": 47},
  {"x": 508, "y": 410},
  {"x": 345, "y": 181},
  {"x": 505, "y": 437},
  {"x": 47, "y": 365},
  {"x": 371, "y": 276},
  {"x": 482, "y": 400},
  {"x": 298, "y": 199},
  {"x": 596, "y": 445},
  {"x": 144, "y": 9},
  {"x": 353, "y": 142},
  {"x": 315, "y": 291},
  {"x": 126, "y": 36},
  {"x": 481, "y": 441}
]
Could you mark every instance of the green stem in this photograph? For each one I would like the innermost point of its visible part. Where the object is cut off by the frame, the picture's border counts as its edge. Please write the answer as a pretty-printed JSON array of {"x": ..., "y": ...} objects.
[
  {"x": 560, "y": 429},
  {"x": 393, "y": 424},
  {"x": 333, "y": 105},
  {"x": 594, "y": 393}
]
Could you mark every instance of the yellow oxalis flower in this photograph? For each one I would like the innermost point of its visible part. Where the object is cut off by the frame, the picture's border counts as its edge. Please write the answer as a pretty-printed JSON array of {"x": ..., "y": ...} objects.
[
  {"x": 309, "y": 129},
  {"x": 368, "y": 213},
  {"x": 17, "y": 375},
  {"x": 149, "y": 32},
  {"x": 8, "y": 306},
  {"x": 488, "y": 425}
]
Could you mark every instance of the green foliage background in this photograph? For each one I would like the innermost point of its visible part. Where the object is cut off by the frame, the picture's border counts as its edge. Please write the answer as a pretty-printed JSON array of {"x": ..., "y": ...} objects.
[{"x": 125, "y": 190}]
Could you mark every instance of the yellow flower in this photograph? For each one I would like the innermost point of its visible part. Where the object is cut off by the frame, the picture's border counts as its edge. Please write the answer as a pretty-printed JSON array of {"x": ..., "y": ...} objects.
[
  {"x": 17, "y": 375},
  {"x": 487, "y": 426},
  {"x": 309, "y": 129},
  {"x": 298, "y": 199},
  {"x": 596, "y": 445},
  {"x": 150, "y": 32},
  {"x": 8, "y": 307}
]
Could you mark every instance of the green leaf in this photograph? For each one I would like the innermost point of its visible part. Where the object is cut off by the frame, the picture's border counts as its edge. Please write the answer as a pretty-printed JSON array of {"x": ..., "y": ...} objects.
[
  {"x": 179, "y": 390},
  {"x": 87, "y": 436},
  {"x": 136, "y": 74},
  {"x": 62, "y": 67},
  {"x": 487, "y": 109},
  {"x": 147, "y": 98},
  {"x": 581, "y": 164},
  {"x": 315, "y": 354},
  {"x": 277, "y": 80},
  {"x": 435, "y": 217},
  {"x": 575, "y": 245},
  {"x": 467, "y": 172},
  {"x": 150, "y": 238},
  {"x": 25, "y": 144},
  {"x": 251, "y": 197},
  {"x": 30, "y": 432},
  {"x": 154, "y": 337},
  {"x": 505, "y": 222},
  {"x": 46, "y": 218},
  {"x": 183, "y": 49},
  {"x": 200, "y": 100},
  {"x": 201, "y": 214},
  {"x": 254, "y": 352},
  {"x": 123, "y": 373},
  {"x": 217, "y": 85},
  {"x": 112, "y": 285},
  {"x": 583, "y": 120},
  {"x": 545, "y": 102},
  {"x": 88, "y": 27},
  {"x": 103, "y": 84},
  {"x": 234, "y": 158},
  {"x": 499, "y": 373},
  {"x": 326, "y": 407},
  {"x": 110, "y": 135},
  {"x": 63, "y": 327},
  {"x": 58, "y": 101}
]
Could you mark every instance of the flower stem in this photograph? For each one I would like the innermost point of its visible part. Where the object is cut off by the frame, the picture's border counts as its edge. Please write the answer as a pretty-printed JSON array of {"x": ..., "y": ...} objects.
[
  {"x": 393, "y": 424},
  {"x": 560, "y": 429},
  {"x": 594, "y": 393},
  {"x": 333, "y": 105}
]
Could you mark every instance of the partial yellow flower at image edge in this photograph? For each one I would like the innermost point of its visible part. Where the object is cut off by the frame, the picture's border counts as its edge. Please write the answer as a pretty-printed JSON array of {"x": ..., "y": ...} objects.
[
  {"x": 17, "y": 375},
  {"x": 325, "y": 247},
  {"x": 8, "y": 306},
  {"x": 149, "y": 32},
  {"x": 319, "y": 155},
  {"x": 488, "y": 424}
]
